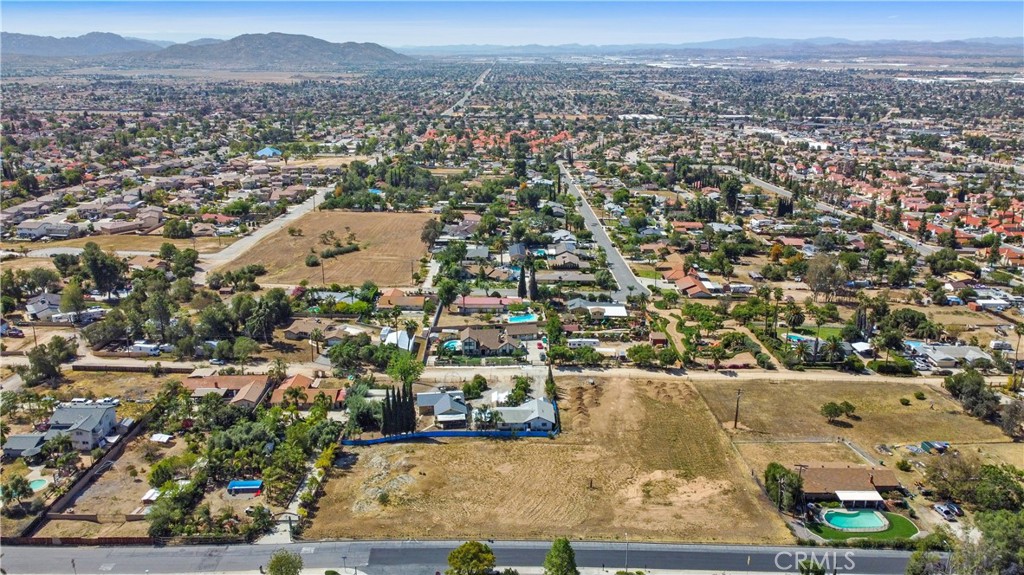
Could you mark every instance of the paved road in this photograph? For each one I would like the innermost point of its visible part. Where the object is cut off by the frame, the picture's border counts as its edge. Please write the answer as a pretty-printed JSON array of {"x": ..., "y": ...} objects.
[
  {"x": 398, "y": 557},
  {"x": 241, "y": 246},
  {"x": 616, "y": 264},
  {"x": 479, "y": 82}
]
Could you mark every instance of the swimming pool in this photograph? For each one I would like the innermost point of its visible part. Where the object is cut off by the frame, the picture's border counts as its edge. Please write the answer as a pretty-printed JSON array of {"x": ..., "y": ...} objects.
[
  {"x": 796, "y": 338},
  {"x": 858, "y": 520},
  {"x": 453, "y": 345},
  {"x": 525, "y": 318},
  {"x": 38, "y": 484}
]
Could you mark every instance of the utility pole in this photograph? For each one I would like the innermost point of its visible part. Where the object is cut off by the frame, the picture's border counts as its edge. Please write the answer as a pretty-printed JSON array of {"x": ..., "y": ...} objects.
[
  {"x": 323, "y": 274},
  {"x": 736, "y": 418},
  {"x": 627, "y": 552},
  {"x": 782, "y": 482}
]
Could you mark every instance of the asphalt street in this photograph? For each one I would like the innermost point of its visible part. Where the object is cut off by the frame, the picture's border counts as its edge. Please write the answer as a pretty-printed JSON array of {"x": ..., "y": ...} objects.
[
  {"x": 616, "y": 264},
  {"x": 402, "y": 557}
]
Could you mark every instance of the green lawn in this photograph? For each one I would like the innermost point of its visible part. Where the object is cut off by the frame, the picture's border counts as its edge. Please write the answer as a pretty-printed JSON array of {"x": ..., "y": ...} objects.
[
  {"x": 649, "y": 274},
  {"x": 826, "y": 331},
  {"x": 899, "y": 528}
]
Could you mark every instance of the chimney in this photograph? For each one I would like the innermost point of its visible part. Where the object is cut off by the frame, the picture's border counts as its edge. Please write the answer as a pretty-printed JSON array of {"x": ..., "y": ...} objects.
[{"x": 871, "y": 478}]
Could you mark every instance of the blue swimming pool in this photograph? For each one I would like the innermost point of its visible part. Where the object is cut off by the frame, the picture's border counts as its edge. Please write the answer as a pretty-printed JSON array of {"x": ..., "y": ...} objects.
[
  {"x": 525, "y": 318},
  {"x": 858, "y": 520},
  {"x": 796, "y": 338},
  {"x": 453, "y": 345}
]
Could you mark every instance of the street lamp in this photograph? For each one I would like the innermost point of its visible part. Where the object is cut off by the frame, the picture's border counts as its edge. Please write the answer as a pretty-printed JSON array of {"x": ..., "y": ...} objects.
[{"x": 344, "y": 563}]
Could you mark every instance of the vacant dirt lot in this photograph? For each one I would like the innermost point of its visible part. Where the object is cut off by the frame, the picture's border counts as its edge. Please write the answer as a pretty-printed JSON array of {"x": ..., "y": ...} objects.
[
  {"x": 42, "y": 335},
  {"x": 791, "y": 410},
  {"x": 390, "y": 249},
  {"x": 113, "y": 495},
  {"x": 643, "y": 458}
]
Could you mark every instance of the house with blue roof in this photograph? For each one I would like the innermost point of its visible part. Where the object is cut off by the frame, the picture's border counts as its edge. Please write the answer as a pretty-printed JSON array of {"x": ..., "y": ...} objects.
[{"x": 268, "y": 152}]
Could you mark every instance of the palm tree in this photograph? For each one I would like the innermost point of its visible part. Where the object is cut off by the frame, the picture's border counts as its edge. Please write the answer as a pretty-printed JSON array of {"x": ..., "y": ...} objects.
[
  {"x": 5, "y": 428},
  {"x": 317, "y": 337},
  {"x": 411, "y": 326},
  {"x": 778, "y": 295},
  {"x": 295, "y": 396},
  {"x": 801, "y": 349},
  {"x": 464, "y": 290},
  {"x": 833, "y": 348}
]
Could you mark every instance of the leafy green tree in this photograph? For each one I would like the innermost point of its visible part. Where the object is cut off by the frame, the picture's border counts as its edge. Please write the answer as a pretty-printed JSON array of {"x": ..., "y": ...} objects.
[
  {"x": 561, "y": 560},
  {"x": 782, "y": 485},
  {"x": 643, "y": 355},
  {"x": 405, "y": 368},
  {"x": 924, "y": 563},
  {"x": 1003, "y": 534},
  {"x": 471, "y": 558},
  {"x": 16, "y": 489},
  {"x": 284, "y": 563},
  {"x": 244, "y": 348},
  {"x": 72, "y": 299},
  {"x": 831, "y": 411}
]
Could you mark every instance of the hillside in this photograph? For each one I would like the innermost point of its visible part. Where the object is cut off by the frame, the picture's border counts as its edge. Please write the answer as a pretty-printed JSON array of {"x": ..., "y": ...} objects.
[
  {"x": 275, "y": 50},
  {"x": 91, "y": 44}
]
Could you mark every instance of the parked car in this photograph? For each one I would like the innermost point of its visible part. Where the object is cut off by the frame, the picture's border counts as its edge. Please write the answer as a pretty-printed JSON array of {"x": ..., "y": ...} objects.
[
  {"x": 216, "y": 361},
  {"x": 540, "y": 345},
  {"x": 956, "y": 509},
  {"x": 944, "y": 512}
]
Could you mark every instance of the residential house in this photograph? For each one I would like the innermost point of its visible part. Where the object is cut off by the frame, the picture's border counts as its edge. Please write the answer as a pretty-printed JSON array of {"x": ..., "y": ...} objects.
[
  {"x": 43, "y": 306},
  {"x": 597, "y": 310},
  {"x": 524, "y": 331},
  {"x": 87, "y": 424},
  {"x": 245, "y": 391},
  {"x": 534, "y": 415},
  {"x": 309, "y": 387},
  {"x": 448, "y": 408},
  {"x": 487, "y": 341},
  {"x": 485, "y": 304},
  {"x": 853, "y": 486},
  {"x": 396, "y": 298},
  {"x": 302, "y": 328}
]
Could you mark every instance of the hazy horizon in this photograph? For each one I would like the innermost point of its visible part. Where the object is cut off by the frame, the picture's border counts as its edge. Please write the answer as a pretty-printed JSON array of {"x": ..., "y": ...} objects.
[{"x": 430, "y": 23}]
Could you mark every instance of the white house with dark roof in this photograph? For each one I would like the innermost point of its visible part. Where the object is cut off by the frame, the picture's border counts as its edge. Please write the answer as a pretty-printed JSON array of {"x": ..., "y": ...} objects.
[{"x": 534, "y": 415}]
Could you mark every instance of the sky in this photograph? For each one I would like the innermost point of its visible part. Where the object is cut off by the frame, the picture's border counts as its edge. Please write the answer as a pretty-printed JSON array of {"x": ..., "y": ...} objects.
[{"x": 432, "y": 23}]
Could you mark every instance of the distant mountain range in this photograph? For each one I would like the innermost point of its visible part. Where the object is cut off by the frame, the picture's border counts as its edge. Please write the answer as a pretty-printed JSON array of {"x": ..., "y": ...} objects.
[
  {"x": 276, "y": 50},
  {"x": 249, "y": 51},
  {"x": 299, "y": 52},
  {"x": 821, "y": 45},
  {"x": 91, "y": 44}
]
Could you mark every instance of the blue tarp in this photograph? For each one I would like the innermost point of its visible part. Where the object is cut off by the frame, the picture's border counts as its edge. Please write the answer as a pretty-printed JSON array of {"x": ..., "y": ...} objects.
[
  {"x": 246, "y": 485},
  {"x": 268, "y": 151}
]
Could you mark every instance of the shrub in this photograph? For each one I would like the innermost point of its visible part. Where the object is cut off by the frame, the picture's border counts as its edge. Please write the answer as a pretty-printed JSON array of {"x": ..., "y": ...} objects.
[
  {"x": 903, "y": 465},
  {"x": 896, "y": 366},
  {"x": 312, "y": 261},
  {"x": 904, "y": 401},
  {"x": 339, "y": 250},
  {"x": 919, "y": 395}
]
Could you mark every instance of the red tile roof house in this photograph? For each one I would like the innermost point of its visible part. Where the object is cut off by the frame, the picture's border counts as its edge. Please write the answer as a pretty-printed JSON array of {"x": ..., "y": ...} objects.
[
  {"x": 483, "y": 304},
  {"x": 306, "y": 384}
]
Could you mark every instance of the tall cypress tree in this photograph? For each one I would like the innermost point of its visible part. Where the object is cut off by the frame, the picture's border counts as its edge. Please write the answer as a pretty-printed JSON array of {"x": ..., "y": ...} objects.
[
  {"x": 521, "y": 292},
  {"x": 385, "y": 423},
  {"x": 533, "y": 283}
]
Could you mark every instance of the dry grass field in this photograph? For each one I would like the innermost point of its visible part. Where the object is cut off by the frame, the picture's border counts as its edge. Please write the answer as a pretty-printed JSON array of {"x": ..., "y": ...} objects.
[
  {"x": 759, "y": 455},
  {"x": 643, "y": 458},
  {"x": 16, "y": 264},
  {"x": 328, "y": 161},
  {"x": 390, "y": 249},
  {"x": 130, "y": 243},
  {"x": 790, "y": 410}
]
